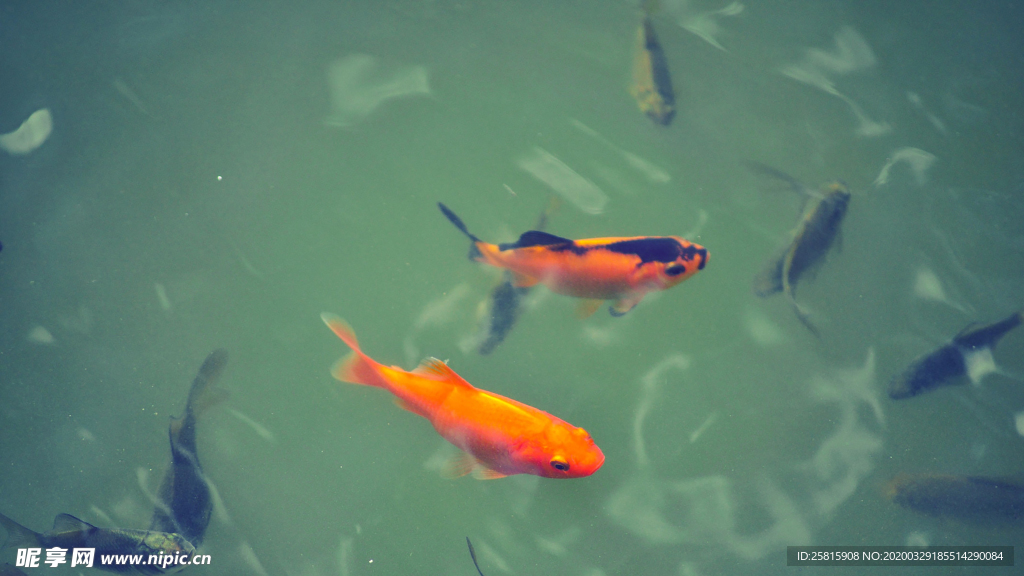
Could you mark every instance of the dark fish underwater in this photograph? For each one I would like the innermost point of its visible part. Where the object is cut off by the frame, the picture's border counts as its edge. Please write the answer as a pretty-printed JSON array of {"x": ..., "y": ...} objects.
[
  {"x": 968, "y": 354},
  {"x": 70, "y": 533},
  {"x": 504, "y": 302},
  {"x": 971, "y": 499},
  {"x": 817, "y": 231},
  {"x": 185, "y": 503},
  {"x": 652, "y": 84}
]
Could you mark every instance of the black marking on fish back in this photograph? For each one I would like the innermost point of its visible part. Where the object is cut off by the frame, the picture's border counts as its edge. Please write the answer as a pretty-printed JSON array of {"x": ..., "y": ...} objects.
[
  {"x": 653, "y": 249},
  {"x": 688, "y": 253},
  {"x": 934, "y": 370},
  {"x": 986, "y": 336},
  {"x": 535, "y": 238}
]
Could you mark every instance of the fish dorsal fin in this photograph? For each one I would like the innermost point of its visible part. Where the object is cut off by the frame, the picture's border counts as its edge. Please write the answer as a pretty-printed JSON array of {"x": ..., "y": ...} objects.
[
  {"x": 68, "y": 523},
  {"x": 435, "y": 367},
  {"x": 970, "y": 328},
  {"x": 535, "y": 238}
]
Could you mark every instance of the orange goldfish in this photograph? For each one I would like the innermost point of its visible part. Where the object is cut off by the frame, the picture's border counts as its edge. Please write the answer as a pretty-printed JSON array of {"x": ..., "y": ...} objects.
[
  {"x": 498, "y": 436},
  {"x": 597, "y": 269}
]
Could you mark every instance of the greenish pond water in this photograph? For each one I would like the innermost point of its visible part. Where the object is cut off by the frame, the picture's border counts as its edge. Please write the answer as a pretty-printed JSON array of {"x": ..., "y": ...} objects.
[{"x": 220, "y": 174}]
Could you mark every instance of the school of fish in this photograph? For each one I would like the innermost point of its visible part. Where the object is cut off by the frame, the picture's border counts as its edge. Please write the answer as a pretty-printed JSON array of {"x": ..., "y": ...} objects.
[{"x": 496, "y": 436}]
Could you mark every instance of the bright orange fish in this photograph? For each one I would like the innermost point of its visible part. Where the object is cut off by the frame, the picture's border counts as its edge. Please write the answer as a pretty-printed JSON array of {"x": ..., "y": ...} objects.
[
  {"x": 498, "y": 436},
  {"x": 597, "y": 269}
]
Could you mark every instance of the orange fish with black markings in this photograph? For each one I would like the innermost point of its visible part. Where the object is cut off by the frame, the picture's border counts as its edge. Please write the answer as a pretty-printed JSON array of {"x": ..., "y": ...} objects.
[
  {"x": 596, "y": 269},
  {"x": 497, "y": 435}
]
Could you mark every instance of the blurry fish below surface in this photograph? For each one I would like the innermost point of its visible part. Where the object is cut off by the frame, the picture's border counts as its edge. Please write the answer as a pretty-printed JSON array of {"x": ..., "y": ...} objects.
[
  {"x": 594, "y": 269},
  {"x": 968, "y": 354},
  {"x": 652, "y": 83},
  {"x": 70, "y": 533},
  {"x": 498, "y": 436},
  {"x": 705, "y": 25},
  {"x": 184, "y": 497},
  {"x": 359, "y": 84},
  {"x": 815, "y": 234},
  {"x": 503, "y": 310},
  {"x": 505, "y": 300},
  {"x": 918, "y": 160},
  {"x": 970, "y": 499},
  {"x": 565, "y": 181}
]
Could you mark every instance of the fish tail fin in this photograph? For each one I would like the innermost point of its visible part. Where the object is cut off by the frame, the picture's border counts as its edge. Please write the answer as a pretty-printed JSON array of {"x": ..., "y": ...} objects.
[
  {"x": 203, "y": 393},
  {"x": 789, "y": 182},
  {"x": 18, "y": 536},
  {"x": 357, "y": 367},
  {"x": 769, "y": 280},
  {"x": 805, "y": 318},
  {"x": 474, "y": 250},
  {"x": 649, "y": 7}
]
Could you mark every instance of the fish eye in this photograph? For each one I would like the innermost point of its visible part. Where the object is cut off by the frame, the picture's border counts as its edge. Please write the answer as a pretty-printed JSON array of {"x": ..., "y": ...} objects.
[
  {"x": 675, "y": 270},
  {"x": 560, "y": 464}
]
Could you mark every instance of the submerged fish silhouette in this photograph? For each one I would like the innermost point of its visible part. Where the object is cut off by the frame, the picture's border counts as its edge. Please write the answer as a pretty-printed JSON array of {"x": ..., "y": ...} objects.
[
  {"x": 968, "y": 354},
  {"x": 70, "y": 533},
  {"x": 652, "y": 83},
  {"x": 815, "y": 234},
  {"x": 185, "y": 504},
  {"x": 504, "y": 303},
  {"x": 973, "y": 499}
]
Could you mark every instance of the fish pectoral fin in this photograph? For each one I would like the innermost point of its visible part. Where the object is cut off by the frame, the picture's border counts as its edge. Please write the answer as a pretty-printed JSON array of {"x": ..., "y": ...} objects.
[
  {"x": 405, "y": 405},
  {"x": 458, "y": 465},
  {"x": 68, "y": 523},
  {"x": 485, "y": 473},
  {"x": 434, "y": 367},
  {"x": 585, "y": 308},
  {"x": 626, "y": 303},
  {"x": 523, "y": 281}
]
